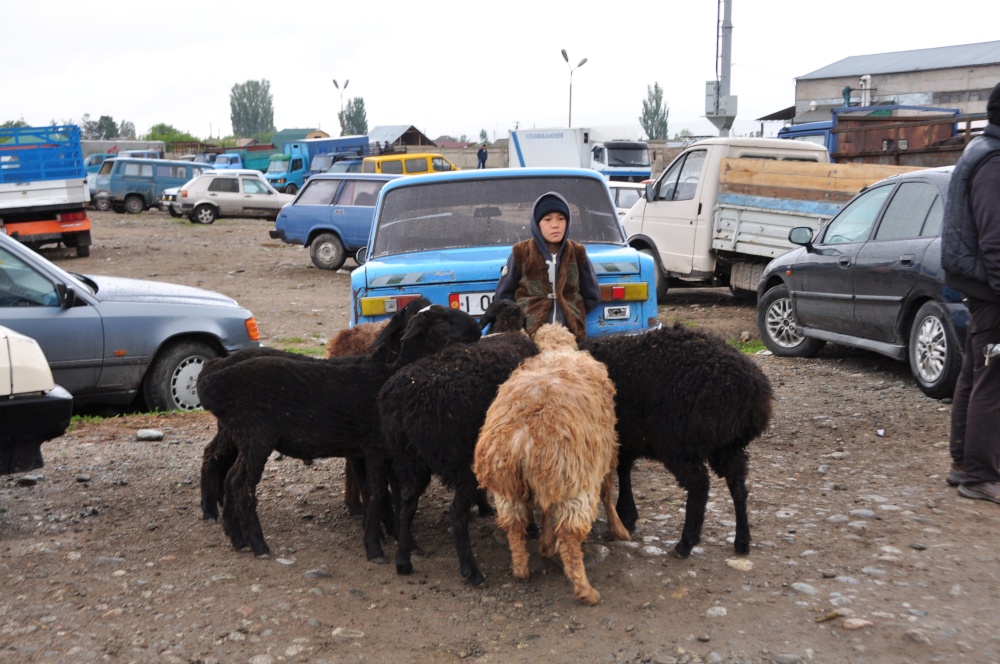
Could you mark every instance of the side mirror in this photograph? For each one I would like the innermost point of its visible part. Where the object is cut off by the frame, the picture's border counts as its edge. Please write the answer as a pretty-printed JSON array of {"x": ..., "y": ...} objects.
[
  {"x": 67, "y": 296},
  {"x": 362, "y": 256},
  {"x": 650, "y": 191},
  {"x": 802, "y": 236}
]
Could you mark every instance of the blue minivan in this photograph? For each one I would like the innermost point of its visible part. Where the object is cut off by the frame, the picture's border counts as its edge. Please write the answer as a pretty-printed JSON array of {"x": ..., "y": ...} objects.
[{"x": 133, "y": 185}]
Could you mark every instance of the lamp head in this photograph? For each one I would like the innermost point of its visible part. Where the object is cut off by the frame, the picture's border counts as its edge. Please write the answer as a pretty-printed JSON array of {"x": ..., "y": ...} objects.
[
  {"x": 582, "y": 62},
  {"x": 335, "y": 84},
  {"x": 565, "y": 57}
]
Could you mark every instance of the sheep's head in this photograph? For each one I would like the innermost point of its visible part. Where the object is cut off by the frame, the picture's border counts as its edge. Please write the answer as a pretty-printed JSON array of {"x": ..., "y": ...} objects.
[
  {"x": 503, "y": 316},
  {"x": 553, "y": 336},
  {"x": 433, "y": 328},
  {"x": 389, "y": 340}
]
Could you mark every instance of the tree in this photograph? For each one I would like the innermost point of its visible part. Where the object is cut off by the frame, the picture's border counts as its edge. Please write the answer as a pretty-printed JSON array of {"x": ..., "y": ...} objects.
[
  {"x": 355, "y": 120},
  {"x": 483, "y": 136},
  {"x": 654, "y": 113},
  {"x": 167, "y": 134},
  {"x": 250, "y": 108},
  {"x": 10, "y": 124},
  {"x": 126, "y": 129}
]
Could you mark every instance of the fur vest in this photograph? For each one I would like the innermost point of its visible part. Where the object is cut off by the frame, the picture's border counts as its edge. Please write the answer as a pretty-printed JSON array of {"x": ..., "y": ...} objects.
[{"x": 535, "y": 294}]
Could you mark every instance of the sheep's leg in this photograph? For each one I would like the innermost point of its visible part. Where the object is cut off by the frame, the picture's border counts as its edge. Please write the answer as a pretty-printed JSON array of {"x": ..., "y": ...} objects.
[
  {"x": 239, "y": 509},
  {"x": 733, "y": 467},
  {"x": 571, "y": 551},
  {"x": 513, "y": 518},
  {"x": 410, "y": 493},
  {"x": 625, "y": 507},
  {"x": 461, "y": 505},
  {"x": 483, "y": 504},
  {"x": 618, "y": 529},
  {"x": 377, "y": 496},
  {"x": 547, "y": 537},
  {"x": 693, "y": 477},
  {"x": 352, "y": 490},
  {"x": 217, "y": 459}
]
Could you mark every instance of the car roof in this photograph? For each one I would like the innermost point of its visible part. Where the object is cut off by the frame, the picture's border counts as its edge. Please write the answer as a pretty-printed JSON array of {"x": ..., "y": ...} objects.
[
  {"x": 232, "y": 171},
  {"x": 355, "y": 176},
  {"x": 491, "y": 174}
]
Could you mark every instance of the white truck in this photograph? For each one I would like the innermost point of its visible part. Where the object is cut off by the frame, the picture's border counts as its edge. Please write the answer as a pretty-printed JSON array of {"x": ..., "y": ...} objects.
[
  {"x": 619, "y": 160},
  {"x": 723, "y": 208}
]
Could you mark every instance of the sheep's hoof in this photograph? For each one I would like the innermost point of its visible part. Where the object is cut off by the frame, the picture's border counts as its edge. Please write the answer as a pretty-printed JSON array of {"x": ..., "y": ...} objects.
[
  {"x": 475, "y": 578},
  {"x": 404, "y": 569},
  {"x": 742, "y": 548},
  {"x": 682, "y": 550}
]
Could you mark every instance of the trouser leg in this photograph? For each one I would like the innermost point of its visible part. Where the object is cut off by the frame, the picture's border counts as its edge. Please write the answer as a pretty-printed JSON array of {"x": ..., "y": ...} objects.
[{"x": 981, "y": 456}]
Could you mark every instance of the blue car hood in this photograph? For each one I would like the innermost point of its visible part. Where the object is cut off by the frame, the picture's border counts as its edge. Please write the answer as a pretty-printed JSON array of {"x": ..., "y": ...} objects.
[
  {"x": 119, "y": 289},
  {"x": 479, "y": 264}
]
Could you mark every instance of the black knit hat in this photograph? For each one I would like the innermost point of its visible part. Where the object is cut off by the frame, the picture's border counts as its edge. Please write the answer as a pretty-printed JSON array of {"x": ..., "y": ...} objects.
[
  {"x": 993, "y": 106},
  {"x": 550, "y": 202}
]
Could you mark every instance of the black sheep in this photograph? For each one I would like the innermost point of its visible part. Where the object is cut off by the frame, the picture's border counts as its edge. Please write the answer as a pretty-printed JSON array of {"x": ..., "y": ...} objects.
[{"x": 685, "y": 397}]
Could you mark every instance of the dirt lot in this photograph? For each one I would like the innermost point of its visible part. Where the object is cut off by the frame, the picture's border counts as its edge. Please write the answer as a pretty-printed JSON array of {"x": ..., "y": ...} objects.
[{"x": 861, "y": 553}]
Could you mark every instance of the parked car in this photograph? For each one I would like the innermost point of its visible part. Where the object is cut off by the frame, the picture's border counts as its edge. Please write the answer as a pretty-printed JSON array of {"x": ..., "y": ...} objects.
[
  {"x": 346, "y": 166},
  {"x": 332, "y": 215},
  {"x": 109, "y": 340},
  {"x": 446, "y": 237},
  {"x": 33, "y": 408},
  {"x": 170, "y": 201},
  {"x": 133, "y": 184},
  {"x": 625, "y": 194},
  {"x": 872, "y": 278},
  {"x": 231, "y": 193},
  {"x": 413, "y": 163}
]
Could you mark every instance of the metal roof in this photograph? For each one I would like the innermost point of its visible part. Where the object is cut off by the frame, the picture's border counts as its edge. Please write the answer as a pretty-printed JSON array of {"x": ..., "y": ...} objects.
[{"x": 942, "y": 57}]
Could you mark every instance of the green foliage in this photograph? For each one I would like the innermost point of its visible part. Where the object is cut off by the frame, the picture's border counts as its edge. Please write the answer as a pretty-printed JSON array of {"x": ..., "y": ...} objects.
[
  {"x": 263, "y": 136},
  {"x": 168, "y": 134},
  {"x": 483, "y": 136},
  {"x": 9, "y": 124},
  {"x": 126, "y": 129},
  {"x": 355, "y": 120},
  {"x": 749, "y": 347},
  {"x": 654, "y": 113},
  {"x": 250, "y": 108},
  {"x": 683, "y": 133}
]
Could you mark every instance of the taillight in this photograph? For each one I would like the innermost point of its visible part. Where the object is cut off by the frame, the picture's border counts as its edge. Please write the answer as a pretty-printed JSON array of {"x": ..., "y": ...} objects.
[
  {"x": 379, "y": 306},
  {"x": 631, "y": 292},
  {"x": 73, "y": 216}
]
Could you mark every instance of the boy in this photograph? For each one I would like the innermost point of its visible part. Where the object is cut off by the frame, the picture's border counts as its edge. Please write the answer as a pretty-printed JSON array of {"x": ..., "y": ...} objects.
[{"x": 550, "y": 258}]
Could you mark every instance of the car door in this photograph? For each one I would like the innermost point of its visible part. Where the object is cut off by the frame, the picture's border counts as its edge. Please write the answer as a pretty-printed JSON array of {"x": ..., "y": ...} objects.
[
  {"x": 888, "y": 266},
  {"x": 823, "y": 289},
  {"x": 258, "y": 200},
  {"x": 225, "y": 193},
  {"x": 356, "y": 205},
  {"x": 674, "y": 211},
  {"x": 71, "y": 338}
]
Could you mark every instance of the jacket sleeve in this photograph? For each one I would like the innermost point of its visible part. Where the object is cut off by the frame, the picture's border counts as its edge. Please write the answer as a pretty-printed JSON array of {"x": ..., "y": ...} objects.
[
  {"x": 985, "y": 200},
  {"x": 507, "y": 285},
  {"x": 589, "y": 288}
]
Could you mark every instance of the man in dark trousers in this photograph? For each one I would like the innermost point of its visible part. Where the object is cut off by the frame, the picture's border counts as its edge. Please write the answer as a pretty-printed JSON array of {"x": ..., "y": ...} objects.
[
  {"x": 482, "y": 156},
  {"x": 970, "y": 256}
]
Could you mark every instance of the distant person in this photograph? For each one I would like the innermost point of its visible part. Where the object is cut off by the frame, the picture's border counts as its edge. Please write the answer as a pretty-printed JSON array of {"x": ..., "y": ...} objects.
[
  {"x": 386, "y": 149},
  {"x": 481, "y": 155},
  {"x": 970, "y": 256},
  {"x": 548, "y": 275}
]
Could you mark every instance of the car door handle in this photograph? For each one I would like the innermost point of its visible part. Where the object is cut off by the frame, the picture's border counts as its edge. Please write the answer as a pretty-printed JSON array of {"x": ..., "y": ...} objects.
[
  {"x": 845, "y": 261},
  {"x": 906, "y": 260}
]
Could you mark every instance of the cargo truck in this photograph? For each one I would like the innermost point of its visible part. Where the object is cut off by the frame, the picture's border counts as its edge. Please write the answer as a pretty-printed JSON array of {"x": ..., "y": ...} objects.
[
  {"x": 43, "y": 187},
  {"x": 617, "y": 160},
  {"x": 286, "y": 172},
  {"x": 724, "y": 207},
  {"x": 253, "y": 157}
]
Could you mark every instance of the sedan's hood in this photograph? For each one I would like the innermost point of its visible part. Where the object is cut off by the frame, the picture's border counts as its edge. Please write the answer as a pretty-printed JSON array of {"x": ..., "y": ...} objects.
[{"x": 119, "y": 289}]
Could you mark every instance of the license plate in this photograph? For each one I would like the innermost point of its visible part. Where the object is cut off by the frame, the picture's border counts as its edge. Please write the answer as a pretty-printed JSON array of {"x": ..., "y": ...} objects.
[{"x": 473, "y": 304}]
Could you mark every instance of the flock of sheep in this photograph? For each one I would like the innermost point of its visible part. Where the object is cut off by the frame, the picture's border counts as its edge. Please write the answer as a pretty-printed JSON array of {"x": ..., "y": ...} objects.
[{"x": 543, "y": 425}]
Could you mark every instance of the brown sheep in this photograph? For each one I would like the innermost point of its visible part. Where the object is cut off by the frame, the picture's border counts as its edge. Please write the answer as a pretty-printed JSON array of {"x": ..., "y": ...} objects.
[{"x": 549, "y": 440}]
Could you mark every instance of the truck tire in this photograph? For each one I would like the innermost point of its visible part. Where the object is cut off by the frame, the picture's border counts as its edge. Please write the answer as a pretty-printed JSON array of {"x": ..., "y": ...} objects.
[
  {"x": 171, "y": 381},
  {"x": 134, "y": 204},
  {"x": 291, "y": 189},
  {"x": 327, "y": 252},
  {"x": 776, "y": 325},
  {"x": 102, "y": 204},
  {"x": 934, "y": 353},
  {"x": 203, "y": 214},
  {"x": 82, "y": 250},
  {"x": 661, "y": 281}
]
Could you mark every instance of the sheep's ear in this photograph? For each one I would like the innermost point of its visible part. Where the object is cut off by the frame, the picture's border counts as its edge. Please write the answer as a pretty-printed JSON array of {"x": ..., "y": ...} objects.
[
  {"x": 418, "y": 325},
  {"x": 489, "y": 316}
]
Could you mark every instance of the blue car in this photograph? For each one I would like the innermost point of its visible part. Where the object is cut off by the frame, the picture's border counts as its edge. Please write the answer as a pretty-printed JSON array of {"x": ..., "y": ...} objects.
[
  {"x": 332, "y": 215},
  {"x": 872, "y": 278},
  {"x": 445, "y": 236}
]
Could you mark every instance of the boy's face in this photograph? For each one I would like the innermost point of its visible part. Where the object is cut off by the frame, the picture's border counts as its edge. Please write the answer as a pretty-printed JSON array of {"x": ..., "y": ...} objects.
[{"x": 553, "y": 227}]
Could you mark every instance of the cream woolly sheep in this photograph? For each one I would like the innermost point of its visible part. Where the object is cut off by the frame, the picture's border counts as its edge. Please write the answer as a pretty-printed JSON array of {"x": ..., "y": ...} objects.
[{"x": 549, "y": 441}]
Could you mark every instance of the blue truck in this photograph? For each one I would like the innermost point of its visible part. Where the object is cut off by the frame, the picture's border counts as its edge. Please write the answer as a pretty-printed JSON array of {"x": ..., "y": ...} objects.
[
  {"x": 43, "y": 187},
  {"x": 255, "y": 157},
  {"x": 287, "y": 171}
]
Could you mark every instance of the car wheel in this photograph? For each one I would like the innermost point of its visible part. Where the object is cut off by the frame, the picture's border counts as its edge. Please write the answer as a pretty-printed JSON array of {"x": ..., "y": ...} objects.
[
  {"x": 661, "y": 282},
  {"x": 102, "y": 204},
  {"x": 935, "y": 358},
  {"x": 174, "y": 213},
  {"x": 327, "y": 252},
  {"x": 134, "y": 204},
  {"x": 203, "y": 214},
  {"x": 291, "y": 189},
  {"x": 172, "y": 380},
  {"x": 778, "y": 327}
]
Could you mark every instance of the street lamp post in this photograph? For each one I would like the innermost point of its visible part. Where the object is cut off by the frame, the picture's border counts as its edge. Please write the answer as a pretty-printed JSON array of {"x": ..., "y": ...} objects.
[
  {"x": 343, "y": 120},
  {"x": 571, "y": 70}
]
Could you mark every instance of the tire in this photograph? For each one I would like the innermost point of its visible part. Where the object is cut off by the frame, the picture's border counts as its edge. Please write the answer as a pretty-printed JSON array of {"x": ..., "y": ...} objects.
[
  {"x": 291, "y": 189},
  {"x": 134, "y": 204},
  {"x": 776, "y": 325},
  {"x": 82, "y": 251},
  {"x": 174, "y": 213},
  {"x": 171, "y": 380},
  {"x": 203, "y": 214},
  {"x": 102, "y": 204},
  {"x": 934, "y": 353},
  {"x": 661, "y": 281},
  {"x": 327, "y": 252}
]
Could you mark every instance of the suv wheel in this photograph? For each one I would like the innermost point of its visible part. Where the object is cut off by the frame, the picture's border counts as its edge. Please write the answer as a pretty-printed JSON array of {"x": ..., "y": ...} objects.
[
  {"x": 134, "y": 204},
  {"x": 778, "y": 327},
  {"x": 935, "y": 358},
  {"x": 203, "y": 214},
  {"x": 327, "y": 252},
  {"x": 171, "y": 383}
]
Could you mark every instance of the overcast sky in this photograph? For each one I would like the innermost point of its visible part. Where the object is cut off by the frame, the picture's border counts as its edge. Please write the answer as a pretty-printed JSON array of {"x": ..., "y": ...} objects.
[{"x": 445, "y": 67}]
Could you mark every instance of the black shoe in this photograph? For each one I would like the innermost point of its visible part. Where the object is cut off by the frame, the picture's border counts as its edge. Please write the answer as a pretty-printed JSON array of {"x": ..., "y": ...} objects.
[
  {"x": 981, "y": 491},
  {"x": 955, "y": 475}
]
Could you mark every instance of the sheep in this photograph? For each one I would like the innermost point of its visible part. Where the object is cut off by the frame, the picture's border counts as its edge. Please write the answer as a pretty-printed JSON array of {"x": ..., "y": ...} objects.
[
  {"x": 309, "y": 410},
  {"x": 549, "y": 440},
  {"x": 431, "y": 412},
  {"x": 685, "y": 397}
]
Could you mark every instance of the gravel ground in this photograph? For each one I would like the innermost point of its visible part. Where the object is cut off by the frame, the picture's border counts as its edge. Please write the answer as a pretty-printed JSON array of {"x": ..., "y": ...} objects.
[{"x": 861, "y": 552}]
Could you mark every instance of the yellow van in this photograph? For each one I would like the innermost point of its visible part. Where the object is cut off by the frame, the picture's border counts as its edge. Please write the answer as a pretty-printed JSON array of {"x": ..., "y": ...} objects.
[{"x": 408, "y": 163}]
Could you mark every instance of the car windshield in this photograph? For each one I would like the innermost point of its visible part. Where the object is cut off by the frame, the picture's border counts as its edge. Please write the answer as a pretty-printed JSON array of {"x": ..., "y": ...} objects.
[
  {"x": 631, "y": 156},
  {"x": 488, "y": 212},
  {"x": 278, "y": 166}
]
